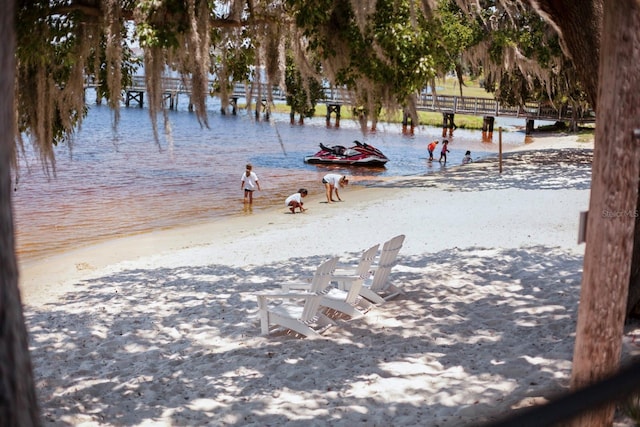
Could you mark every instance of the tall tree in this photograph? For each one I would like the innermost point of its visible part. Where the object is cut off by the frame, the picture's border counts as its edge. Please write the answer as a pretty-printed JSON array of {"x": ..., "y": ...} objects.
[
  {"x": 615, "y": 93},
  {"x": 614, "y": 195},
  {"x": 519, "y": 56},
  {"x": 302, "y": 94},
  {"x": 383, "y": 51},
  {"x": 18, "y": 404},
  {"x": 614, "y": 189}
]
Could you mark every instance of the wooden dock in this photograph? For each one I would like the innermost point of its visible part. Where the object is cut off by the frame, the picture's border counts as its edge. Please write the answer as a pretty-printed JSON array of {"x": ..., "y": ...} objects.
[{"x": 334, "y": 98}]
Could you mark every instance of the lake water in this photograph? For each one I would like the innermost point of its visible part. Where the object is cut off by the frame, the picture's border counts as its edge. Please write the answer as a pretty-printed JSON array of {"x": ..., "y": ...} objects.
[{"x": 121, "y": 182}]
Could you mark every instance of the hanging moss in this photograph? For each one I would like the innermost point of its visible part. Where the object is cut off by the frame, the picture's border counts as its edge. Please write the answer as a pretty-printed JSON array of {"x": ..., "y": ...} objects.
[{"x": 380, "y": 53}]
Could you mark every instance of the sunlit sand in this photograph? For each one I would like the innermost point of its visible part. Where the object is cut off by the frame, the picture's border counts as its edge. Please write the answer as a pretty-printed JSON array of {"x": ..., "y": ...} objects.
[{"x": 160, "y": 329}]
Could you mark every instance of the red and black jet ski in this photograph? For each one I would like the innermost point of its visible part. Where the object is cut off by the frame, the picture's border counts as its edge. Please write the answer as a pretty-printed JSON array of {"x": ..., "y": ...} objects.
[{"x": 360, "y": 154}]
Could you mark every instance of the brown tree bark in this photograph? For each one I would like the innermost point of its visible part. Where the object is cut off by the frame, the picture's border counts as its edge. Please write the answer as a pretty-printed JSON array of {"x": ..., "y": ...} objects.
[
  {"x": 18, "y": 403},
  {"x": 614, "y": 195},
  {"x": 579, "y": 24}
]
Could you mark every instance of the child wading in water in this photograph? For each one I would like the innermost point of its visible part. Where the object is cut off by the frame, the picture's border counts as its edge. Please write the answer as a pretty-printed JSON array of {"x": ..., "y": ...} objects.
[
  {"x": 295, "y": 200},
  {"x": 431, "y": 148},
  {"x": 445, "y": 150},
  {"x": 249, "y": 183}
]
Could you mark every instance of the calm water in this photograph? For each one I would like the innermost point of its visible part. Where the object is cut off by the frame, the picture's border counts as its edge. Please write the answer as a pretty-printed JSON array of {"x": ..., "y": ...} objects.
[{"x": 114, "y": 183}]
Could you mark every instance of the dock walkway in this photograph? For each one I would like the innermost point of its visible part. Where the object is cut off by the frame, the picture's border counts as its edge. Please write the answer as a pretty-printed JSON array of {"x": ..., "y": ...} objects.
[{"x": 448, "y": 105}]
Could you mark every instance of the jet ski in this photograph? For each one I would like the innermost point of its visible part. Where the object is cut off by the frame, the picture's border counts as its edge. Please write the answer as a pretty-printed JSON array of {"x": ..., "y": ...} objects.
[{"x": 360, "y": 154}]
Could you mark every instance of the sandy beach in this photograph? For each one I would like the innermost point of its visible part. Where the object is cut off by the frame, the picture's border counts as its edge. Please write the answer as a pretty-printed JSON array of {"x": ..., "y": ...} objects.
[{"x": 160, "y": 329}]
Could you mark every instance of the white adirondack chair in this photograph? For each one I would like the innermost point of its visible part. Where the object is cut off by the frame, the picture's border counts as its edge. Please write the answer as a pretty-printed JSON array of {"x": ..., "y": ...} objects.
[
  {"x": 363, "y": 268},
  {"x": 306, "y": 319},
  {"x": 350, "y": 301},
  {"x": 378, "y": 289},
  {"x": 347, "y": 301}
]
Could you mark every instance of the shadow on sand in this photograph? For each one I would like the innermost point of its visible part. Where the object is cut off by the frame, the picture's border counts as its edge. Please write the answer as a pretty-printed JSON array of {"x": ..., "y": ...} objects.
[{"x": 132, "y": 347}]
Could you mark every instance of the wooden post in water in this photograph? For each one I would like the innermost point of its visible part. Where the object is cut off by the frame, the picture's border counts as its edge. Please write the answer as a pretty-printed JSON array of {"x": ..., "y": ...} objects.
[
  {"x": 406, "y": 118},
  {"x": 529, "y": 127},
  {"x": 500, "y": 148},
  {"x": 333, "y": 108}
]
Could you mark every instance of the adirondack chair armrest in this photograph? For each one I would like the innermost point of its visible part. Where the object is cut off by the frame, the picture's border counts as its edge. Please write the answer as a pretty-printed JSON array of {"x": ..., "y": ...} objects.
[
  {"x": 345, "y": 281},
  {"x": 346, "y": 272},
  {"x": 288, "y": 287},
  {"x": 283, "y": 294},
  {"x": 374, "y": 268},
  {"x": 346, "y": 266}
]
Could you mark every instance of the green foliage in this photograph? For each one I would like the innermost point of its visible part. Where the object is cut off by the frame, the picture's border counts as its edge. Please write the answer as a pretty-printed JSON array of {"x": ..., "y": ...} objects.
[
  {"x": 163, "y": 22},
  {"x": 454, "y": 32},
  {"x": 524, "y": 61},
  {"x": 385, "y": 57},
  {"x": 53, "y": 61},
  {"x": 46, "y": 56},
  {"x": 631, "y": 408},
  {"x": 302, "y": 94},
  {"x": 316, "y": 15},
  {"x": 234, "y": 55},
  {"x": 407, "y": 60},
  {"x": 384, "y": 54}
]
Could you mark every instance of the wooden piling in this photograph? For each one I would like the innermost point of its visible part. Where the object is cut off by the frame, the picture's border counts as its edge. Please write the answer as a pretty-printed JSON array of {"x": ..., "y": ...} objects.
[
  {"x": 500, "y": 149},
  {"x": 134, "y": 95},
  {"x": 529, "y": 128},
  {"x": 333, "y": 108}
]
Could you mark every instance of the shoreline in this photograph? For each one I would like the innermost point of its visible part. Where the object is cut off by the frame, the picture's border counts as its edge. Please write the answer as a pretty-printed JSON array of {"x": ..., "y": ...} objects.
[
  {"x": 74, "y": 264},
  {"x": 48, "y": 277}
]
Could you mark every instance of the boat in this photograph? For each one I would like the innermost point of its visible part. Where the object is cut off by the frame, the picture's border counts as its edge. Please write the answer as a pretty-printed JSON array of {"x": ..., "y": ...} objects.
[{"x": 360, "y": 154}]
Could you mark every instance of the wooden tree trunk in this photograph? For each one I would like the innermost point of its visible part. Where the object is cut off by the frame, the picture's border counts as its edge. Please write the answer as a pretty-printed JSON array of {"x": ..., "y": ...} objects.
[
  {"x": 633, "y": 299},
  {"x": 18, "y": 405},
  {"x": 614, "y": 193},
  {"x": 579, "y": 24}
]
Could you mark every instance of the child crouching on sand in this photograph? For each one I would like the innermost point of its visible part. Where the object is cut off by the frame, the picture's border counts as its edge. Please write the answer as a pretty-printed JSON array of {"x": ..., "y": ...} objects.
[
  {"x": 467, "y": 158},
  {"x": 295, "y": 200}
]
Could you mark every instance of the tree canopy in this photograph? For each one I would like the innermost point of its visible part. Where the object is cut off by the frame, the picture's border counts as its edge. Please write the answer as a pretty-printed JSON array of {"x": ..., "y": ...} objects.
[{"x": 384, "y": 52}]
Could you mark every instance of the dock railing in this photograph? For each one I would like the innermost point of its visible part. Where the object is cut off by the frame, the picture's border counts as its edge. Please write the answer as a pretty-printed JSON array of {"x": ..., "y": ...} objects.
[{"x": 476, "y": 106}]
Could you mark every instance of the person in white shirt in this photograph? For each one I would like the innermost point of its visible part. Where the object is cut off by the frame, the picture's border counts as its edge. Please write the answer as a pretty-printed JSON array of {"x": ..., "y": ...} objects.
[
  {"x": 295, "y": 200},
  {"x": 332, "y": 182},
  {"x": 249, "y": 183}
]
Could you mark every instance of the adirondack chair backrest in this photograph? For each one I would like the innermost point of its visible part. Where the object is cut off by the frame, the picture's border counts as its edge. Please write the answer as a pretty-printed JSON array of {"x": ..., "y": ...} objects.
[
  {"x": 366, "y": 260},
  {"x": 388, "y": 257},
  {"x": 321, "y": 280},
  {"x": 363, "y": 271}
]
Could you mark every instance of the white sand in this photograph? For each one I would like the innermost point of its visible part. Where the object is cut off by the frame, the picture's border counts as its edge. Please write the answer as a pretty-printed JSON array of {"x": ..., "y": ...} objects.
[{"x": 160, "y": 329}]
